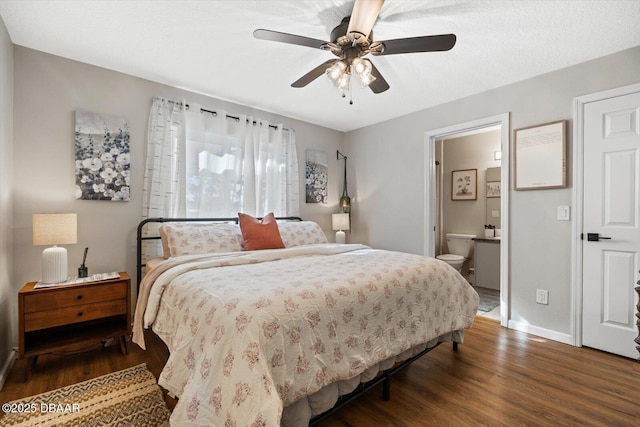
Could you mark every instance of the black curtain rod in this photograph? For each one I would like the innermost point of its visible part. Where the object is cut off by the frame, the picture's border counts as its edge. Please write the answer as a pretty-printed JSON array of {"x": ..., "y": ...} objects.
[{"x": 236, "y": 118}]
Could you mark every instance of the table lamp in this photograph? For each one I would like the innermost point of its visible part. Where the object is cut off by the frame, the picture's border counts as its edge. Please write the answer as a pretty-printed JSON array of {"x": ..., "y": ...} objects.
[
  {"x": 340, "y": 222},
  {"x": 55, "y": 229}
]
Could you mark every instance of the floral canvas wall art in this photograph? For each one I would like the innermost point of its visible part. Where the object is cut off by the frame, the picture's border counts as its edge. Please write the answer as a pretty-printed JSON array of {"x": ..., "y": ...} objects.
[
  {"x": 316, "y": 175},
  {"x": 102, "y": 157}
]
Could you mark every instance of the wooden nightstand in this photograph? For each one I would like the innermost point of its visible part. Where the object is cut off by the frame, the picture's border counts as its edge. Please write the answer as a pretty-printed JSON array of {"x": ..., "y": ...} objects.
[{"x": 69, "y": 318}]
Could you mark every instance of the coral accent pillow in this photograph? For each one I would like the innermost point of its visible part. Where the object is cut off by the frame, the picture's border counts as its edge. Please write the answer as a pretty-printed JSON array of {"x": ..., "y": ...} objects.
[{"x": 260, "y": 234}]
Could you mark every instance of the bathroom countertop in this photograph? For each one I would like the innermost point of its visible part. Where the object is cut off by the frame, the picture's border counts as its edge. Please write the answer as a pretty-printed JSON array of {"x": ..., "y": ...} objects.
[{"x": 487, "y": 239}]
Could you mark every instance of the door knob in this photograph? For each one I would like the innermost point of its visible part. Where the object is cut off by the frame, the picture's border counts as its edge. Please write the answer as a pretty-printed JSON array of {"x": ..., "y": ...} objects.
[{"x": 594, "y": 237}]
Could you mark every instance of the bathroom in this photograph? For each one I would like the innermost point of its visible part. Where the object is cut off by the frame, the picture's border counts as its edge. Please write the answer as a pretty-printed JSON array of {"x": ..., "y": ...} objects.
[{"x": 468, "y": 204}]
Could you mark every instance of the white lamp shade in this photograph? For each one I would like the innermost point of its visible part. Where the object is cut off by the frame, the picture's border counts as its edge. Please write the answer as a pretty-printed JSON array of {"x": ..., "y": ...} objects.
[
  {"x": 55, "y": 229},
  {"x": 340, "y": 221}
]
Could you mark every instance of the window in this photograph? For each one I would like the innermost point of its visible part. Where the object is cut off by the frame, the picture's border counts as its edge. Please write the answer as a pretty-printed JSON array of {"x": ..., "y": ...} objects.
[{"x": 206, "y": 165}]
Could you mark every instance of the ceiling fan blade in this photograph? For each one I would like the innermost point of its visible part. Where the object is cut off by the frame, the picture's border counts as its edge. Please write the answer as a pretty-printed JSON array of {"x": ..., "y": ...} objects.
[
  {"x": 417, "y": 44},
  {"x": 313, "y": 74},
  {"x": 379, "y": 85},
  {"x": 276, "y": 36},
  {"x": 363, "y": 16}
]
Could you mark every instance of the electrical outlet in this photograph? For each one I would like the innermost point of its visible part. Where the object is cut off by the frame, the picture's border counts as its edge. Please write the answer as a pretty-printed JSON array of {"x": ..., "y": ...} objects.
[{"x": 542, "y": 296}]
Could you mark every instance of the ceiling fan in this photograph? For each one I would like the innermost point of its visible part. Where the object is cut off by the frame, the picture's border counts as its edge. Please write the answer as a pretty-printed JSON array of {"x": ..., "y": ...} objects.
[{"x": 350, "y": 42}]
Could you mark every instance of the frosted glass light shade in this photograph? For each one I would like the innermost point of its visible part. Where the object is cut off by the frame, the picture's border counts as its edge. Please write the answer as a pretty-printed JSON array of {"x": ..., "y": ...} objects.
[{"x": 335, "y": 72}]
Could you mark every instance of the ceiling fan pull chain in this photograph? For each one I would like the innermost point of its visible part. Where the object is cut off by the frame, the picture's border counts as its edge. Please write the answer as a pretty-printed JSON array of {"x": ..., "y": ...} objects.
[{"x": 350, "y": 93}]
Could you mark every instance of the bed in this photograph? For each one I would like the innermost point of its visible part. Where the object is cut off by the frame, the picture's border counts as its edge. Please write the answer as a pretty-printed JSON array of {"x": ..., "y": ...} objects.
[{"x": 280, "y": 336}]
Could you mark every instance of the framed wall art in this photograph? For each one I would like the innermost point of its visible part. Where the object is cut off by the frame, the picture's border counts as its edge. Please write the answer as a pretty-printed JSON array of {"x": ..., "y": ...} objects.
[
  {"x": 493, "y": 189},
  {"x": 102, "y": 157},
  {"x": 540, "y": 156},
  {"x": 316, "y": 176},
  {"x": 464, "y": 184}
]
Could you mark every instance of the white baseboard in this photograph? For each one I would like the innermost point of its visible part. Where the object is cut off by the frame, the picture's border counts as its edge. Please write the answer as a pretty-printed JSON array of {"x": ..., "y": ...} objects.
[
  {"x": 541, "y": 332},
  {"x": 4, "y": 373}
]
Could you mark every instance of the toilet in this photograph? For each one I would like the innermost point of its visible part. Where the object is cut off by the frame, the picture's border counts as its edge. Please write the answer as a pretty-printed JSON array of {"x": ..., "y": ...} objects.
[{"x": 460, "y": 246}]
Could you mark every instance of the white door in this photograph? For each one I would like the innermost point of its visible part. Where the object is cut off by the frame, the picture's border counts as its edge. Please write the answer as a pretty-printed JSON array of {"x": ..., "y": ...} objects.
[{"x": 612, "y": 216}]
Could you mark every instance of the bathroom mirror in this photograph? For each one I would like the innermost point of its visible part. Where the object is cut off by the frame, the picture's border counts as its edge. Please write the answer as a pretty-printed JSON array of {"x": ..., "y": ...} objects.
[{"x": 493, "y": 189}]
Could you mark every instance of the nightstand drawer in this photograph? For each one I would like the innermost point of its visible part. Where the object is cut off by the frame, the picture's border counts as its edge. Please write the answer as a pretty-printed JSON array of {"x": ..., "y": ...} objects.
[
  {"x": 74, "y": 296},
  {"x": 69, "y": 315}
]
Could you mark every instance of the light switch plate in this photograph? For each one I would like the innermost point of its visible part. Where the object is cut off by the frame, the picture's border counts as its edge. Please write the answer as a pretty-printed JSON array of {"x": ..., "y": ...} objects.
[
  {"x": 564, "y": 213},
  {"x": 495, "y": 214}
]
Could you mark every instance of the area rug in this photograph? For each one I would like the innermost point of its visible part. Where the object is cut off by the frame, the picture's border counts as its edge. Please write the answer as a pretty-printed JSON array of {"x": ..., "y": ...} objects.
[
  {"x": 124, "y": 398},
  {"x": 489, "y": 299}
]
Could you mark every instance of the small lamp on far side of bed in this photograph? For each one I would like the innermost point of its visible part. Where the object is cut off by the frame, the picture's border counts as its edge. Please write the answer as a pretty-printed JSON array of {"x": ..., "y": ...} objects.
[
  {"x": 54, "y": 229},
  {"x": 340, "y": 222}
]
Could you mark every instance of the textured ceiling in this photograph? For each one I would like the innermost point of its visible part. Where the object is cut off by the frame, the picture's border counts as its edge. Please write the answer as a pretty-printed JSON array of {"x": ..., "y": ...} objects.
[{"x": 208, "y": 47}]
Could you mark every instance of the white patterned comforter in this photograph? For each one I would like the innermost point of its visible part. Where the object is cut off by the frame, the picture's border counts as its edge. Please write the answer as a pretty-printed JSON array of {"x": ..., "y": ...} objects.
[{"x": 252, "y": 332}]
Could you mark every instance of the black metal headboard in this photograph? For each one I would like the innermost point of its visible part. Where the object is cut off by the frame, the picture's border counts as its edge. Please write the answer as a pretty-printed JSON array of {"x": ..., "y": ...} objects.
[{"x": 140, "y": 238}]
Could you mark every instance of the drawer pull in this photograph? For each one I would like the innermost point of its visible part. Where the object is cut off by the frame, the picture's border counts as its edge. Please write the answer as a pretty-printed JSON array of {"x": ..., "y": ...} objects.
[
  {"x": 79, "y": 297},
  {"x": 79, "y": 314}
]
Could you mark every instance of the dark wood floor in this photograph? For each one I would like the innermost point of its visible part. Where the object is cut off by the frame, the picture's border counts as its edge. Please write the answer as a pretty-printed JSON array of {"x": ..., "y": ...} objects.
[{"x": 498, "y": 377}]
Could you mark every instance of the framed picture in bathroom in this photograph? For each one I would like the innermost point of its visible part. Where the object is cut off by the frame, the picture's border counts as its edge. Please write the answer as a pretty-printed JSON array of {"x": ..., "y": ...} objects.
[
  {"x": 493, "y": 189},
  {"x": 464, "y": 184}
]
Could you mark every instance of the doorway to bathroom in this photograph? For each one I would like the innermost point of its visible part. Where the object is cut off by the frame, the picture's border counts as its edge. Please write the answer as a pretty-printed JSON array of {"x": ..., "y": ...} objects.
[{"x": 467, "y": 181}]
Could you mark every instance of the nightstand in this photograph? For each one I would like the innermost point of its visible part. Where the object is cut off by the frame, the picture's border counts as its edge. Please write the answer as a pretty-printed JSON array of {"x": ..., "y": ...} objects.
[{"x": 68, "y": 318}]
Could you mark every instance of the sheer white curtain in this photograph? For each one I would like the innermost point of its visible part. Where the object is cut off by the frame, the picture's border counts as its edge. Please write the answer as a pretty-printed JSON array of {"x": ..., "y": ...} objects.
[
  {"x": 163, "y": 185},
  {"x": 207, "y": 165},
  {"x": 270, "y": 170},
  {"x": 238, "y": 166},
  {"x": 214, "y": 158}
]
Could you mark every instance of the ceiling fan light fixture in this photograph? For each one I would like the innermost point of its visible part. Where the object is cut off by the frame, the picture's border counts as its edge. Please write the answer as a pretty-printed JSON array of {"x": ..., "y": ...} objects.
[
  {"x": 336, "y": 71},
  {"x": 343, "y": 82},
  {"x": 361, "y": 67}
]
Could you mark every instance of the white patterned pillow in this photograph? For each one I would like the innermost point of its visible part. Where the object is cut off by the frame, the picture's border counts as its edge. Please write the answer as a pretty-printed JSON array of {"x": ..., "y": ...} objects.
[
  {"x": 296, "y": 233},
  {"x": 183, "y": 238}
]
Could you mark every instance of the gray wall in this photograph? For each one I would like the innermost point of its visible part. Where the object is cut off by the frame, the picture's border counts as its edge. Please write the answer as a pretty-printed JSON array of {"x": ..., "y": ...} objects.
[
  {"x": 388, "y": 170},
  {"x": 48, "y": 90},
  {"x": 8, "y": 294}
]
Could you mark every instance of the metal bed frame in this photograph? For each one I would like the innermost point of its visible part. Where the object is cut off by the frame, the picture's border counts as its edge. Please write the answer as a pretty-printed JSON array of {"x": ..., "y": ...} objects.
[
  {"x": 384, "y": 377},
  {"x": 140, "y": 238}
]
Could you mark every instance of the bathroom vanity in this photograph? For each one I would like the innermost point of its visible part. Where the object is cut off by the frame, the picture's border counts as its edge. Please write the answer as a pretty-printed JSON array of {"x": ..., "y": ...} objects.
[{"x": 487, "y": 262}]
